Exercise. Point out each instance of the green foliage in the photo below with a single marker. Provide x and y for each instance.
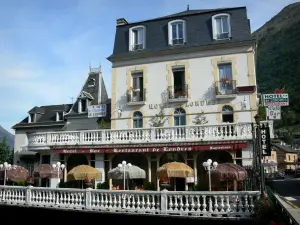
(5, 152)
(104, 185)
(262, 113)
(102, 124)
(149, 186)
(21, 183)
(288, 139)
(159, 119)
(278, 65)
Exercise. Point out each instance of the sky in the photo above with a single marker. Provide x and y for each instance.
(46, 47)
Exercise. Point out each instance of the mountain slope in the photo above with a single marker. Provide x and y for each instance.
(278, 59)
(10, 137)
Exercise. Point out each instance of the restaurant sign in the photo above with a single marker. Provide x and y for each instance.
(150, 149)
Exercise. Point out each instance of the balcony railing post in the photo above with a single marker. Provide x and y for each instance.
(48, 138)
(88, 198)
(163, 202)
(28, 195)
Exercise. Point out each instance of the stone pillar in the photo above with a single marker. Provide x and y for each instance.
(110, 167)
(195, 168)
(149, 168)
(157, 166)
(99, 164)
(185, 161)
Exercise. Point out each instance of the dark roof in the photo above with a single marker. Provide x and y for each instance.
(198, 28)
(47, 118)
(97, 93)
(285, 148)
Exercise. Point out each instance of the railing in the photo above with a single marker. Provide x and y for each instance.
(198, 204)
(225, 87)
(136, 95)
(178, 93)
(241, 131)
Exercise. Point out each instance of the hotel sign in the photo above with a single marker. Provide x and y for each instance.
(276, 99)
(265, 140)
(150, 149)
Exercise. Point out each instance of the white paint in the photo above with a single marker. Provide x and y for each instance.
(290, 198)
(99, 164)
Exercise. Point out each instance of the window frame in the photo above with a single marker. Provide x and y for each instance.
(135, 117)
(227, 112)
(131, 39)
(170, 31)
(214, 25)
(179, 113)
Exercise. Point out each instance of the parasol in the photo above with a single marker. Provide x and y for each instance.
(230, 172)
(46, 171)
(84, 172)
(16, 173)
(174, 169)
(131, 172)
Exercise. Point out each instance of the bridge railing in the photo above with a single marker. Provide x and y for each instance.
(199, 204)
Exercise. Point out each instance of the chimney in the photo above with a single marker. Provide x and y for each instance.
(121, 22)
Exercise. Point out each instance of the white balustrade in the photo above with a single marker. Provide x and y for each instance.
(241, 131)
(198, 204)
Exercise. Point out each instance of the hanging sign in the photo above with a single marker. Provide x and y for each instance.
(265, 140)
(273, 112)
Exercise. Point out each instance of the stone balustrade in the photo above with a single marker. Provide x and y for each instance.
(224, 132)
(229, 204)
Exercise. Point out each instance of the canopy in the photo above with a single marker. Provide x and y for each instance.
(230, 172)
(131, 172)
(84, 172)
(174, 169)
(16, 173)
(47, 171)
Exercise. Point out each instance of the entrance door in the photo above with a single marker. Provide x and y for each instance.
(76, 160)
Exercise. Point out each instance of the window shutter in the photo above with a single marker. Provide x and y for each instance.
(130, 40)
(170, 33)
(184, 31)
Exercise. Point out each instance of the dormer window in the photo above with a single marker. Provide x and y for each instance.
(177, 32)
(221, 26)
(91, 82)
(59, 116)
(31, 118)
(137, 38)
(83, 105)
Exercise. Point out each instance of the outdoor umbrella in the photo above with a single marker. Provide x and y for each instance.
(131, 172)
(16, 173)
(84, 172)
(46, 171)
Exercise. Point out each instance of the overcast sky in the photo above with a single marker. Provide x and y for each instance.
(46, 46)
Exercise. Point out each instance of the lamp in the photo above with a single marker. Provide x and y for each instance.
(209, 165)
(124, 165)
(6, 166)
(59, 167)
(119, 113)
(257, 119)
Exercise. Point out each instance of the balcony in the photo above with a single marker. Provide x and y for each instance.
(178, 94)
(225, 89)
(226, 132)
(136, 96)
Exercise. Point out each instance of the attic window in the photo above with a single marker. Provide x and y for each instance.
(83, 105)
(221, 26)
(177, 32)
(91, 82)
(59, 116)
(31, 118)
(137, 38)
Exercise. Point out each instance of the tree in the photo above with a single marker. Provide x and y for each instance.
(102, 124)
(5, 152)
(159, 119)
(200, 119)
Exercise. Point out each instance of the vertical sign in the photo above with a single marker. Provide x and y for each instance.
(265, 140)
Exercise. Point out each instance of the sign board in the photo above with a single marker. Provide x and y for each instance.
(73, 150)
(275, 99)
(96, 111)
(265, 140)
(273, 112)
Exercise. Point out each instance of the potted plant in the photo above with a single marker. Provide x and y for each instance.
(164, 183)
(29, 181)
(226, 80)
(88, 182)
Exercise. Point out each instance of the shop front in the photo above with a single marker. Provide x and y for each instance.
(149, 157)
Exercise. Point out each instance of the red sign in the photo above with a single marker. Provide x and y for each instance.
(151, 149)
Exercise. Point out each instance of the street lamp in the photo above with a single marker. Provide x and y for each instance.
(124, 166)
(59, 167)
(6, 167)
(258, 138)
(208, 165)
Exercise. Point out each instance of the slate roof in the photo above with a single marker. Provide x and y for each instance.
(285, 148)
(45, 116)
(97, 93)
(198, 27)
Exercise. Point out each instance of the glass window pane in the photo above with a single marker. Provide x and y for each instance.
(180, 30)
(224, 24)
(218, 26)
(176, 121)
(174, 31)
(140, 36)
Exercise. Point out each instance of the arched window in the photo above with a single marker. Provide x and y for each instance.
(227, 114)
(179, 117)
(177, 32)
(221, 26)
(137, 120)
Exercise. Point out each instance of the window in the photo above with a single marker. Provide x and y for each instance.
(137, 120)
(226, 84)
(179, 117)
(59, 116)
(31, 118)
(179, 90)
(45, 159)
(91, 82)
(137, 91)
(137, 38)
(227, 114)
(221, 26)
(177, 32)
(83, 105)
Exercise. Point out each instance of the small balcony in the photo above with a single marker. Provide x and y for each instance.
(136, 96)
(225, 88)
(178, 94)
